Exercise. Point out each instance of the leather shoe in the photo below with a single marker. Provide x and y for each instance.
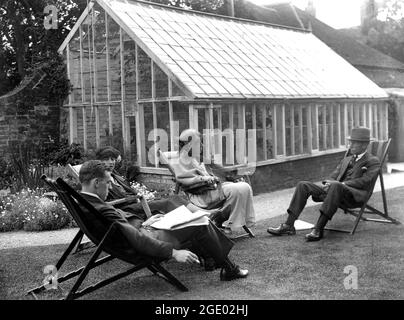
(282, 229)
(314, 235)
(234, 273)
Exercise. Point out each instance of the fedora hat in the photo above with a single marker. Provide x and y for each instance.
(360, 134)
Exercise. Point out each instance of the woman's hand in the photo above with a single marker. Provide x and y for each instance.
(209, 179)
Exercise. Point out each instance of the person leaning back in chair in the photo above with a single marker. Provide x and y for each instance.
(238, 196)
(121, 189)
(138, 233)
(348, 187)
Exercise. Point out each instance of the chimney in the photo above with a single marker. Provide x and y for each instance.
(230, 7)
(368, 14)
(368, 10)
(311, 9)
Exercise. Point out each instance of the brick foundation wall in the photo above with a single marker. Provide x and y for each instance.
(287, 174)
(269, 177)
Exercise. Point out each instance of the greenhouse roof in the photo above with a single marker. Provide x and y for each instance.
(217, 57)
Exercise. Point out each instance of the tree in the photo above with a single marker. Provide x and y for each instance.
(25, 42)
(386, 31)
(27, 45)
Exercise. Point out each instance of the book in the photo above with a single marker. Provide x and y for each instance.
(181, 217)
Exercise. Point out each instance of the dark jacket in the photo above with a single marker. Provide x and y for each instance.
(131, 233)
(364, 173)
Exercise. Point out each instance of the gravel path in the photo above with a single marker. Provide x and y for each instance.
(24, 239)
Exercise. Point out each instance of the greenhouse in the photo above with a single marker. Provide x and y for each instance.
(260, 93)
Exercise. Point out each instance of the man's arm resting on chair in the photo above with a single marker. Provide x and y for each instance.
(145, 244)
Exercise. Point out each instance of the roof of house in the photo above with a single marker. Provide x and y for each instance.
(218, 57)
(352, 50)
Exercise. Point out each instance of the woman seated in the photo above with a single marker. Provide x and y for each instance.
(189, 172)
(121, 189)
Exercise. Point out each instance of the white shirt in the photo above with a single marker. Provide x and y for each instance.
(359, 156)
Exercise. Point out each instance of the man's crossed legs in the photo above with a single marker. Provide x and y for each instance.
(333, 195)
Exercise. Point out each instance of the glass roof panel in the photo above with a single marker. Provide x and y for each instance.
(224, 57)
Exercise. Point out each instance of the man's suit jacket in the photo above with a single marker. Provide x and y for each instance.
(363, 174)
(131, 234)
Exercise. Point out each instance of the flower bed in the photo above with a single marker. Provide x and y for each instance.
(142, 190)
(32, 210)
(29, 210)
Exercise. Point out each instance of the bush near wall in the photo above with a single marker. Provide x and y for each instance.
(30, 210)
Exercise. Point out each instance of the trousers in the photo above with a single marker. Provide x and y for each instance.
(337, 195)
(207, 240)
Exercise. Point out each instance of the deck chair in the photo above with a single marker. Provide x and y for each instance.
(169, 159)
(380, 150)
(74, 171)
(72, 199)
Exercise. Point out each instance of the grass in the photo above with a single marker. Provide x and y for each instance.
(280, 267)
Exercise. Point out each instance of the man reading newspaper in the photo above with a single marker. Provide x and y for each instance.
(139, 234)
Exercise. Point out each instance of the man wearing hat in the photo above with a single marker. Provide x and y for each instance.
(348, 186)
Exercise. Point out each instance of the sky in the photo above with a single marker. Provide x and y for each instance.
(336, 13)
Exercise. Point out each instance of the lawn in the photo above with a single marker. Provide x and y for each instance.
(280, 267)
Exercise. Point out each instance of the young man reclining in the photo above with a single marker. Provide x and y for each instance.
(96, 182)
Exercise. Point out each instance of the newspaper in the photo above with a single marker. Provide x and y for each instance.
(182, 217)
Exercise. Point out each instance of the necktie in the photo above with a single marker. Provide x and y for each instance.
(349, 170)
(353, 160)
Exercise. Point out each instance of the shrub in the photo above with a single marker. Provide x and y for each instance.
(30, 211)
(128, 169)
(25, 164)
(68, 154)
(47, 215)
(6, 174)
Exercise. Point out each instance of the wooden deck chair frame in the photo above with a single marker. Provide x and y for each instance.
(71, 199)
(379, 149)
(164, 158)
(74, 171)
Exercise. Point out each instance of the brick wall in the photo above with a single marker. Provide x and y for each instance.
(157, 181)
(287, 174)
(23, 115)
(270, 177)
